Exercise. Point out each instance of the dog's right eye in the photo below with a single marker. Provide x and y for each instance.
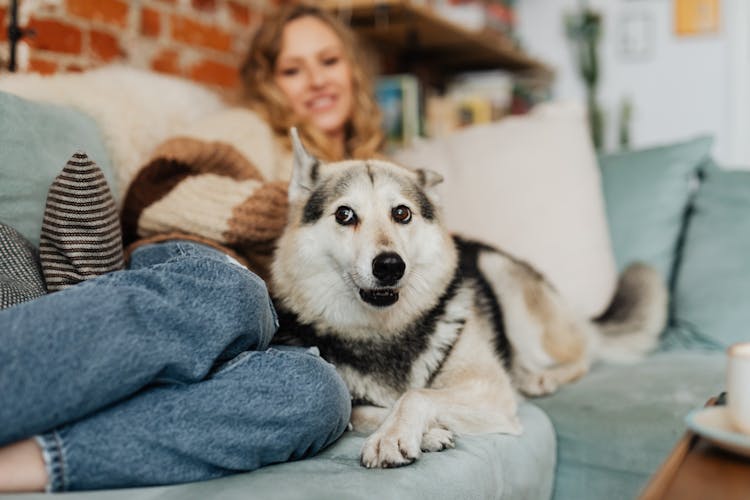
(345, 216)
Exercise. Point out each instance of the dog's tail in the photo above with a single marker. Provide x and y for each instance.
(631, 325)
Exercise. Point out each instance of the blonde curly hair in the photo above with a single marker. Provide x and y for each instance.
(363, 138)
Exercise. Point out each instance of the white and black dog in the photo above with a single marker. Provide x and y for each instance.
(433, 334)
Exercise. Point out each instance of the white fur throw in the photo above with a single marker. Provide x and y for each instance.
(531, 186)
(135, 109)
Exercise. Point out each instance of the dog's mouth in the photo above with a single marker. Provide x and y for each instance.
(379, 297)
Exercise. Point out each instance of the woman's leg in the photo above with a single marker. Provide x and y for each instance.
(179, 310)
(262, 407)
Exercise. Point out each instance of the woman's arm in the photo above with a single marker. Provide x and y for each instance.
(217, 181)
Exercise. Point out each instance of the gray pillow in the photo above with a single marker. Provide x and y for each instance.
(647, 193)
(36, 139)
(711, 298)
(20, 275)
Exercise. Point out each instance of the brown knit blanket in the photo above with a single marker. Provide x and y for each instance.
(209, 191)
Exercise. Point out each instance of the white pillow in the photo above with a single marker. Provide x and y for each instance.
(531, 186)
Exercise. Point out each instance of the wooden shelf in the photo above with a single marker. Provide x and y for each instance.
(417, 36)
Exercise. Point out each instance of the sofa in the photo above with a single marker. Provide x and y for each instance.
(602, 436)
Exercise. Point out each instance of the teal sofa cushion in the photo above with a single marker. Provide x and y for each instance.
(646, 194)
(712, 291)
(617, 424)
(36, 140)
(483, 466)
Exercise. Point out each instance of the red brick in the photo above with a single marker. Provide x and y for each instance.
(3, 27)
(150, 22)
(55, 36)
(114, 12)
(167, 61)
(193, 33)
(42, 66)
(74, 68)
(204, 5)
(105, 46)
(215, 73)
(241, 13)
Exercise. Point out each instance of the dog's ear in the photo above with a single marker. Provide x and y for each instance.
(428, 178)
(305, 172)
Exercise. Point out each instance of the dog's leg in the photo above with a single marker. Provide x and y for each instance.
(548, 380)
(551, 342)
(472, 394)
(555, 348)
(414, 423)
(398, 441)
(367, 418)
(426, 419)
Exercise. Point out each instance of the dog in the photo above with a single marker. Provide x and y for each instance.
(434, 335)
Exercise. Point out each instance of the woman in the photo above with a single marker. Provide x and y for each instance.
(306, 69)
(160, 373)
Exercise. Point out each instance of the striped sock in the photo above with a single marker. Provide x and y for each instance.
(81, 236)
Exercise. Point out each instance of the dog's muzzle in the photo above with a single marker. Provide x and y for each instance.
(388, 268)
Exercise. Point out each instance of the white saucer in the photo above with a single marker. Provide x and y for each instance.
(713, 424)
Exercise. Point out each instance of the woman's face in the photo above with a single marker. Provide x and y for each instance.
(313, 73)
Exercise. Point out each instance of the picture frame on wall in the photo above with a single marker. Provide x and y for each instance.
(635, 34)
(697, 17)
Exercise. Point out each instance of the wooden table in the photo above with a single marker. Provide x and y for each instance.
(698, 470)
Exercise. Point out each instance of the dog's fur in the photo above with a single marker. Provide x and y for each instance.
(432, 334)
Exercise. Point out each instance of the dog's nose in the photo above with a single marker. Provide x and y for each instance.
(388, 268)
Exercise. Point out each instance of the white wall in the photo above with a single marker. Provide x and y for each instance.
(682, 87)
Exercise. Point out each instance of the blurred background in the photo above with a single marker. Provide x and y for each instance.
(649, 71)
(682, 65)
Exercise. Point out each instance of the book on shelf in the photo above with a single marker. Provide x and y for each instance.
(471, 98)
(477, 15)
(399, 100)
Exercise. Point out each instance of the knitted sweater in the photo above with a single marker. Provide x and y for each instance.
(222, 182)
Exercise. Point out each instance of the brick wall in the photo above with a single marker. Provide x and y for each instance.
(203, 40)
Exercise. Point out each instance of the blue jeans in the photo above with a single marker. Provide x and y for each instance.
(161, 374)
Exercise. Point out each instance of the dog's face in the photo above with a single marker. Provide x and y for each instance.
(364, 248)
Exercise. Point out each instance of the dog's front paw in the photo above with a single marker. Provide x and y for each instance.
(438, 439)
(390, 449)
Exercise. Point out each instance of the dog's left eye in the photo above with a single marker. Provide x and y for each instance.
(345, 216)
(401, 214)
